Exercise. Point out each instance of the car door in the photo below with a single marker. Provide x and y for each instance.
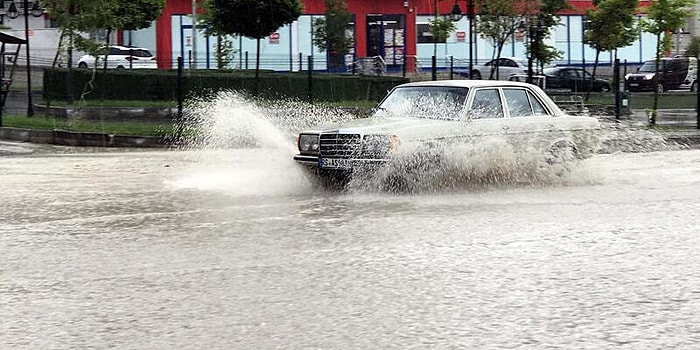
(486, 112)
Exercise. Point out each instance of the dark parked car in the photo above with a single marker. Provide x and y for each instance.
(673, 73)
(573, 78)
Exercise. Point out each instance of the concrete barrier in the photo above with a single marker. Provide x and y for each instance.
(72, 138)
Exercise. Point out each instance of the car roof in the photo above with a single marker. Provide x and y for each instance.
(467, 83)
(127, 47)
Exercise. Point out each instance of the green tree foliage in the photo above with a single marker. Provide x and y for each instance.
(547, 19)
(332, 33)
(693, 49)
(253, 19)
(610, 25)
(91, 15)
(440, 29)
(499, 19)
(663, 18)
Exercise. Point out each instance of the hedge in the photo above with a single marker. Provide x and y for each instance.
(161, 85)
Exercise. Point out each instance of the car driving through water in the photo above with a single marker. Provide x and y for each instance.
(422, 118)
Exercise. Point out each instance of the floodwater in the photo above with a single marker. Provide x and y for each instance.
(234, 248)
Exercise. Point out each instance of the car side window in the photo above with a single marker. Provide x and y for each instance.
(487, 104)
(537, 107)
(114, 51)
(518, 102)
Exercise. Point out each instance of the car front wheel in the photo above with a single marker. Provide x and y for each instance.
(82, 65)
(475, 75)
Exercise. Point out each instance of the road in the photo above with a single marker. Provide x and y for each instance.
(235, 249)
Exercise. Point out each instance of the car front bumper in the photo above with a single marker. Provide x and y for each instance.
(319, 162)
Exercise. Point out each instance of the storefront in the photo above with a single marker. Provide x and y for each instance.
(395, 30)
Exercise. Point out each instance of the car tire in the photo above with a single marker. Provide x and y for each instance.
(605, 88)
(694, 86)
(561, 152)
(660, 88)
(120, 67)
(475, 75)
(82, 65)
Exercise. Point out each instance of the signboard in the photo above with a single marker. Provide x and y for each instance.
(274, 38)
(461, 36)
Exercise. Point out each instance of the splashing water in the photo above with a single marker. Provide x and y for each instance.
(228, 122)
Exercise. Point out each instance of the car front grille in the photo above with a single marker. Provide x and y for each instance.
(339, 145)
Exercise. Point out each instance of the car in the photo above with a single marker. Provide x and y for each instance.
(122, 57)
(507, 66)
(422, 119)
(575, 79)
(676, 73)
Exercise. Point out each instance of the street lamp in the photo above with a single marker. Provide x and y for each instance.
(456, 15)
(13, 13)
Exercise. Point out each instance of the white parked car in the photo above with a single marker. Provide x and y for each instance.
(122, 57)
(507, 66)
(427, 117)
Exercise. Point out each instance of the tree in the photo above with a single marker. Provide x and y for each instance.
(253, 19)
(546, 20)
(693, 49)
(440, 29)
(75, 16)
(333, 33)
(499, 19)
(663, 18)
(610, 25)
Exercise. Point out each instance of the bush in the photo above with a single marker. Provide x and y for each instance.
(161, 85)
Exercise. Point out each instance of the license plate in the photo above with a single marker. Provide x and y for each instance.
(335, 163)
(634, 84)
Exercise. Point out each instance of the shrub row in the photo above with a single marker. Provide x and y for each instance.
(161, 85)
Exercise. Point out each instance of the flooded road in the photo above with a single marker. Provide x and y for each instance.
(235, 249)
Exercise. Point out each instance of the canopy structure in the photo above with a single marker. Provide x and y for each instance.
(8, 57)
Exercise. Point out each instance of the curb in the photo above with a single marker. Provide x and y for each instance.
(71, 138)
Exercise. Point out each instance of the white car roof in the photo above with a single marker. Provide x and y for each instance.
(469, 83)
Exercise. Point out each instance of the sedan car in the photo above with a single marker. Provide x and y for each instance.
(575, 79)
(425, 117)
(507, 66)
(122, 57)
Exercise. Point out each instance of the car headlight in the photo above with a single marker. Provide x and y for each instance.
(378, 146)
(308, 143)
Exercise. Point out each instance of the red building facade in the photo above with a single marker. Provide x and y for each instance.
(396, 18)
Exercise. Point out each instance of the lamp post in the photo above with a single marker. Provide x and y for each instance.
(456, 15)
(13, 13)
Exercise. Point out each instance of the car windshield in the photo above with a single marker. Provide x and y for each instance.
(650, 66)
(433, 102)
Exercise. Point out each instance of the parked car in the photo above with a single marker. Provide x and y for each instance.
(673, 73)
(507, 66)
(575, 79)
(122, 57)
(429, 115)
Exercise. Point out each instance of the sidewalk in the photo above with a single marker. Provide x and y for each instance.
(676, 125)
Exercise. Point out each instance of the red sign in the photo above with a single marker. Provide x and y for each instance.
(274, 38)
(461, 36)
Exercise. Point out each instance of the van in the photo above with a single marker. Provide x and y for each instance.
(674, 73)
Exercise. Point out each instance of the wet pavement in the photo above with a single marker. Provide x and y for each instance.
(235, 249)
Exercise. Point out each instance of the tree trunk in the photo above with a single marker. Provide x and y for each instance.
(109, 33)
(257, 69)
(655, 104)
(499, 49)
(590, 83)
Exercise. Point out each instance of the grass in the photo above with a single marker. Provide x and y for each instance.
(116, 128)
(112, 103)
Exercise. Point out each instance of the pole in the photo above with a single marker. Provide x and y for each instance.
(452, 67)
(697, 103)
(311, 90)
(433, 68)
(30, 108)
(179, 97)
(193, 64)
(472, 34)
